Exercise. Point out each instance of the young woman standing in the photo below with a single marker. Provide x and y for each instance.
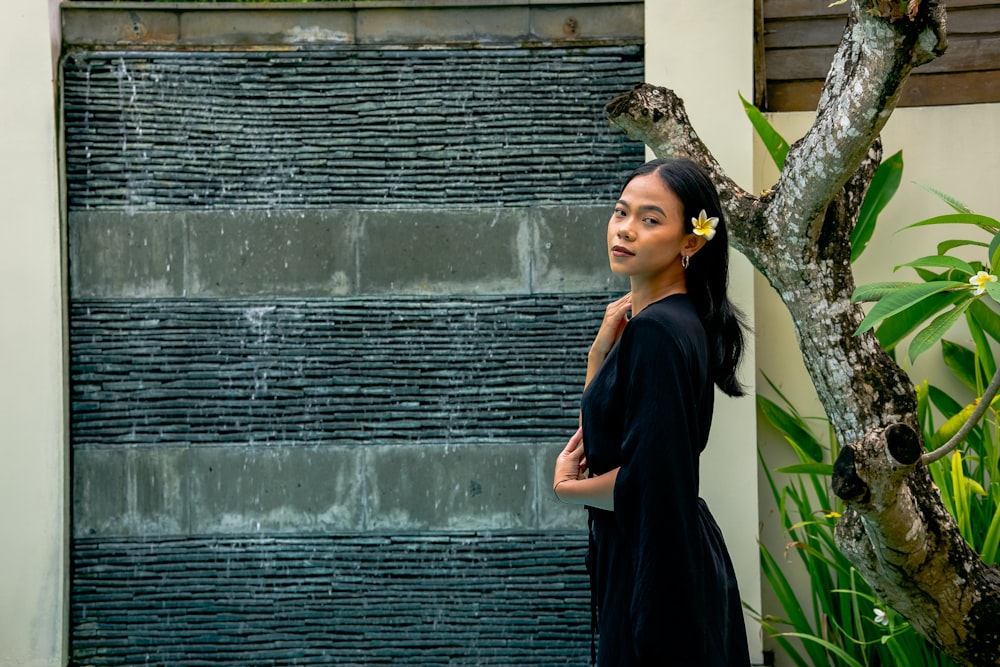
(664, 588)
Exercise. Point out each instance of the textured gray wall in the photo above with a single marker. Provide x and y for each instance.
(330, 310)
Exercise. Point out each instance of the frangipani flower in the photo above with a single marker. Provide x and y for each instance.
(979, 281)
(881, 617)
(704, 226)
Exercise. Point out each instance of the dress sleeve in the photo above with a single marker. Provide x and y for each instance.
(656, 492)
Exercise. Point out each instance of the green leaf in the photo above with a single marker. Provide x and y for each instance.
(941, 262)
(824, 469)
(962, 362)
(773, 142)
(948, 199)
(983, 352)
(875, 291)
(902, 299)
(792, 427)
(986, 318)
(983, 222)
(993, 289)
(989, 551)
(945, 246)
(894, 329)
(883, 186)
(935, 330)
(994, 251)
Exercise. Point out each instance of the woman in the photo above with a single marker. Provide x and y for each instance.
(664, 588)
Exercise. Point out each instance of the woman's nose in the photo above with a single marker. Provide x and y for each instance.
(624, 232)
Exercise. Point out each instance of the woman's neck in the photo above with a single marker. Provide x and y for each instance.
(645, 292)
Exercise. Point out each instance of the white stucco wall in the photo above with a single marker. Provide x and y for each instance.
(704, 52)
(32, 407)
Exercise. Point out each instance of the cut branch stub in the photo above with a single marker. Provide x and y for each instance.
(897, 533)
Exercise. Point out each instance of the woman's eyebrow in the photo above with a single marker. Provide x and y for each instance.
(644, 207)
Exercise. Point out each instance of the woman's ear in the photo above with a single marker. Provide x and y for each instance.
(693, 243)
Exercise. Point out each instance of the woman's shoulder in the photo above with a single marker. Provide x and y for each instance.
(672, 312)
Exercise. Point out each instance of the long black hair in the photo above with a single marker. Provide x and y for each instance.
(707, 274)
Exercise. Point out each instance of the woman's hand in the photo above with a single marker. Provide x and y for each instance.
(615, 319)
(571, 483)
(571, 463)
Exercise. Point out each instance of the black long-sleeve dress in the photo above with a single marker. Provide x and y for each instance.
(663, 583)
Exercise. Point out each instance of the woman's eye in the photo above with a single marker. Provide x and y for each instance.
(620, 213)
(651, 221)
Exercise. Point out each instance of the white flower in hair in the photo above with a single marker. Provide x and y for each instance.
(705, 226)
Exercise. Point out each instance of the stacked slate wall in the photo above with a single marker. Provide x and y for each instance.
(329, 318)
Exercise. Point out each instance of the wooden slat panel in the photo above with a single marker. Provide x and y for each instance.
(920, 90)
(943, 89)
(966, 55)
(795, 64)
(799, 33)
(801, 8)
(973, 21)
(801, 38)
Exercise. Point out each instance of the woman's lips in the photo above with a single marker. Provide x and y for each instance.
(619, 251)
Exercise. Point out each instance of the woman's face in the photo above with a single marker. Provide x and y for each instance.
(646, 232)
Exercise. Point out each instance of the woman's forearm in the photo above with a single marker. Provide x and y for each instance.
(598, 491)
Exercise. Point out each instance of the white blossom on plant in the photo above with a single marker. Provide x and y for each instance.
(979, 281)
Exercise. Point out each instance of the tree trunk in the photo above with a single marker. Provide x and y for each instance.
(895, 530)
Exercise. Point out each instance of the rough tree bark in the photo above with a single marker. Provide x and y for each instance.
(895, 530)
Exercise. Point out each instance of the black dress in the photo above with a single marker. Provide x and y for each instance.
(664, 586)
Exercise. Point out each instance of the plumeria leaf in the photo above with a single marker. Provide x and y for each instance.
(946, 198)
(935, 330)
(982, 221)
(945, 246)
(993, 289)
(775, 144)
(962, 362)
(883, 186)
(902, 299)
(941, 262)
(894, 329)
(995, 251)
(875, 291)
(983, 353)
(986, 318)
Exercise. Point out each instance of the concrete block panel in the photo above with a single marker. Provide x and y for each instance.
(571, 252)
(274, 489)
(445, 24)
(266, 27)
(130, 492)
(440, 487)
(613, 20)
(445, 251)
(115, 254)
(115, 26)
(305, 253)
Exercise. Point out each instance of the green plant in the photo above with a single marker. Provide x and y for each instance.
(842, 629)
(840, 624)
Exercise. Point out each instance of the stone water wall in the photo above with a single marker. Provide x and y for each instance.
(330, 307)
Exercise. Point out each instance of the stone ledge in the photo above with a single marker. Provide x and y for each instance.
(305, 25)
(273, 489)
(339, 253)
